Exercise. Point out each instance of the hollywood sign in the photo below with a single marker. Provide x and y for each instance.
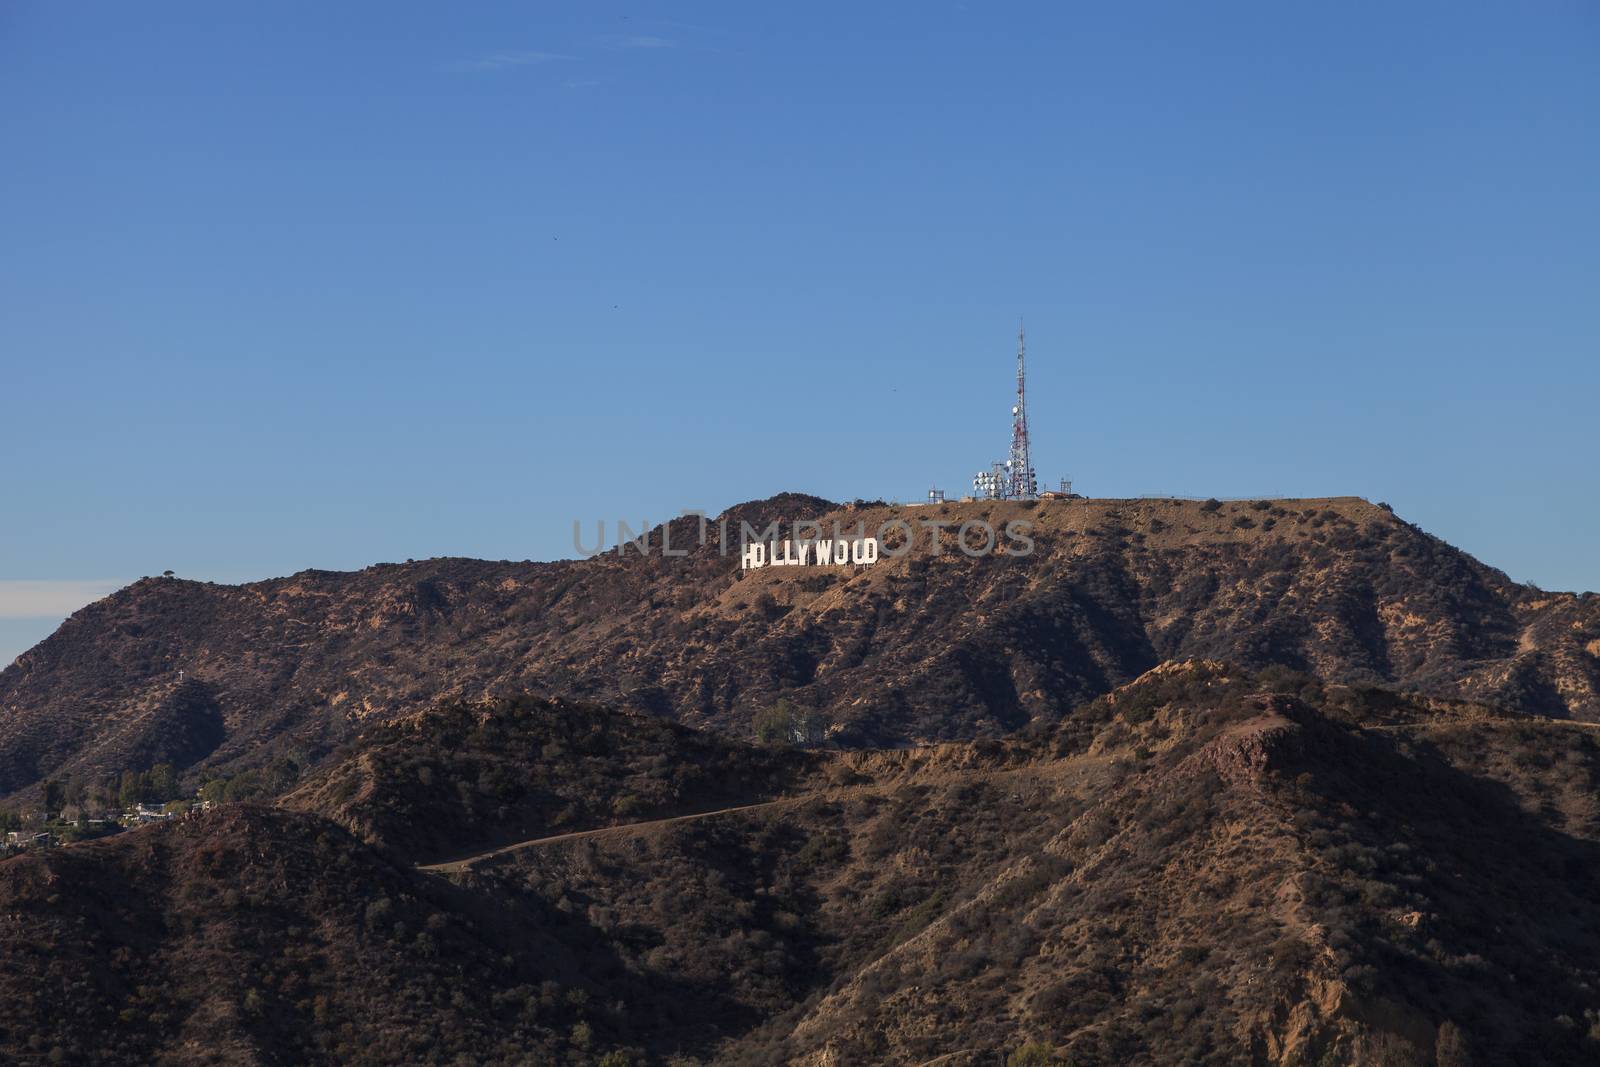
(824, 553)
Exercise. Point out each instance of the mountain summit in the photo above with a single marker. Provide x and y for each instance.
(931, 646)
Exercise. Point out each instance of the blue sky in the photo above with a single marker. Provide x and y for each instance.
(325, 285)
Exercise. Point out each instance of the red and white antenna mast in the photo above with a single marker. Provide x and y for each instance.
(1019, 468)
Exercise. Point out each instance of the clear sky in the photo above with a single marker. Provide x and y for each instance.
(300, 285)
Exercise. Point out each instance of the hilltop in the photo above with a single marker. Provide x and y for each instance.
(924, 648)
(535, 767)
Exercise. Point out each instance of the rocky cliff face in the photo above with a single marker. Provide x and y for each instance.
(934, 645)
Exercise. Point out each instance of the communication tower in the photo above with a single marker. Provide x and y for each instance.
(1023, 484)
(1014, 479)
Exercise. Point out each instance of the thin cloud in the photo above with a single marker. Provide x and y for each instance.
(506, 60)
(636, 42)
(643, 40)
(37, 600)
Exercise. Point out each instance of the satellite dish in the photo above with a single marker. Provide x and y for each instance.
(1015, 409)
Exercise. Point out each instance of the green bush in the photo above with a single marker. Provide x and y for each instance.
(1034, 1054)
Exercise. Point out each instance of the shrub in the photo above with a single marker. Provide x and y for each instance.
(1290, 953)
(768, 607)
(1451, 1049)
(1033, 1054)
(379, 913)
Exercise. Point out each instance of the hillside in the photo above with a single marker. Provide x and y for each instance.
(1257, 883)
(533, 767)
(1205, 866)
(926, 647)
(251, 936)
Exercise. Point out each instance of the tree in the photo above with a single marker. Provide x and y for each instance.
(1452, 1049)
(786, 723)
(772, 724)
(246, 785)
(54, 796)
(1033, 1054)
(133, 789)
(163, 782)
(100, 795)
(280, 774)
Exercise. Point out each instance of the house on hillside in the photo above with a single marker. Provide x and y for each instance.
(28, 839)
(143, 814)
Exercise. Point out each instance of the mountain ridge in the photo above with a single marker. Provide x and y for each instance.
(926, 647)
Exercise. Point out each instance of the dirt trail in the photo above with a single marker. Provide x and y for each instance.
(844, 793)
(466, 862)
(916, 776)
(1425, 724)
